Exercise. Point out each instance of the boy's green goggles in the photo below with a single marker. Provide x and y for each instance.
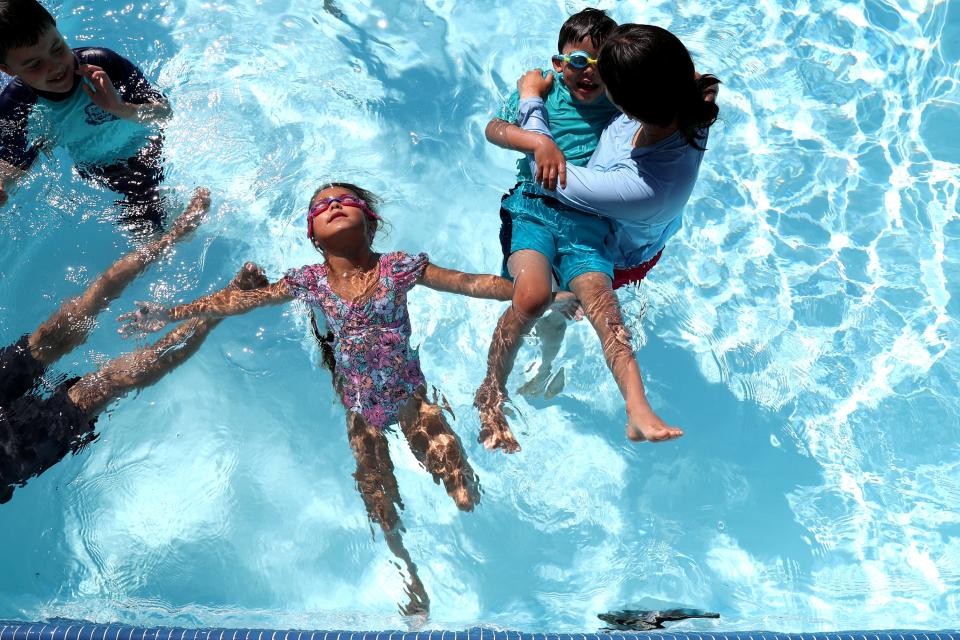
(576, 59)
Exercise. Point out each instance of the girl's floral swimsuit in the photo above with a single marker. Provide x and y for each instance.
(377, 369)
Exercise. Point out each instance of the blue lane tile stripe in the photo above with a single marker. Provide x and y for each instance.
(90, 631)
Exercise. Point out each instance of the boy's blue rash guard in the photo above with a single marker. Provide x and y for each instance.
(642, 189)
(31, 120)
(576, 125)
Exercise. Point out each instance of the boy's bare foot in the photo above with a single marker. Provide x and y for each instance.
(494, 431)
(537, 385)
(192, 216)
(651, 429)
(556, 384)
(541, 384)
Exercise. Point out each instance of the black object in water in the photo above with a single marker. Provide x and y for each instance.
(638, 620)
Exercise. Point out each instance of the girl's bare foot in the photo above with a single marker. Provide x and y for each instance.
(651, 429)
(494, 431)
(418, 603)
(464, 489)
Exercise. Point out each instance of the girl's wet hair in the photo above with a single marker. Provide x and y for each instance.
(650, 76)
(325, 344)
(373, 201)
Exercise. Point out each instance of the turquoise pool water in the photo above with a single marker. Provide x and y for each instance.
(802, 328)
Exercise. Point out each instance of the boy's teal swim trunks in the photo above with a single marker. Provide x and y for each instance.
(573, 242)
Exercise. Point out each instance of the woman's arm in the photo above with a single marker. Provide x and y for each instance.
(466, 284)
(230, 301)
(622, 193)
(619, 193)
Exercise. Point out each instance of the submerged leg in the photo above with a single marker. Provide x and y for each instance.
(69, 325)
(603, 310)
(550, 329)
(439, 450)
(377, 485)
(531, 297)
(141, 368)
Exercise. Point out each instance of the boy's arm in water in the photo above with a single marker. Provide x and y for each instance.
(100, 87)
(151, 316)
(9, 174)
(467, 284)
(551, 163)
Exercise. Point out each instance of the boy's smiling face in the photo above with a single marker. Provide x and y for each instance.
(47, 65)
(583, 84)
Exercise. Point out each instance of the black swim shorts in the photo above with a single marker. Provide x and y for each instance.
(19, 371)
(36, 433)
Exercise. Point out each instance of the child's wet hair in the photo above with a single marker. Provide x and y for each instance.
(649, 74)
(373, 201)
(22, 22)
(589, 23)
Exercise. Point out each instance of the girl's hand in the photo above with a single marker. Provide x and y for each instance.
(98, 86)
(148, 317)
(532, 84)
(551, 164)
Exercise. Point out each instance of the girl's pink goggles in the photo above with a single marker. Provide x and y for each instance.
(346, 200)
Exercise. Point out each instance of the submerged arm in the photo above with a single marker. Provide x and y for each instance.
(150, 316)
(232, 302)
(467, 284)
(145, 113)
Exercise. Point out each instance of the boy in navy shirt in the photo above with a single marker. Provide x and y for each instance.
(90, 100)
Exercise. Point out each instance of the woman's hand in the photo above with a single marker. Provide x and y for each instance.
(148, 317)
(532, 84)
(551, 164)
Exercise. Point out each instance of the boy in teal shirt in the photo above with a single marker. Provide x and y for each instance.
(542, 243)
(577, 106)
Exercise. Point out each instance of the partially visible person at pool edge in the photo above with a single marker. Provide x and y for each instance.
(376, 371)
(535, 237)
(640, 176)
(36, 432)
(90, 100)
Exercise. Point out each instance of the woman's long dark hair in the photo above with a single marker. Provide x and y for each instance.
(650, 76)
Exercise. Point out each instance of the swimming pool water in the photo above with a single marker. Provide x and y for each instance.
(802, 328)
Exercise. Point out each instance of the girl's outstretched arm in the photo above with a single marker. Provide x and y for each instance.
(232, 302)
(466, 284)
(151, 316)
